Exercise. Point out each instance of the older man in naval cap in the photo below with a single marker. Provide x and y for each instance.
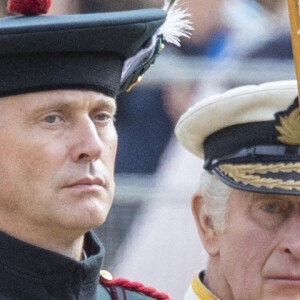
(59, 77)
(247, 208)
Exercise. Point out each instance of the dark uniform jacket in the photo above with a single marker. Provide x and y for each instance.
(31, 273)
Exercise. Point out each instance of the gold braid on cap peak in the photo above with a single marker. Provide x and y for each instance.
(244, 174)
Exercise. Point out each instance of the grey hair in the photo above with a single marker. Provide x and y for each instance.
(215, 195)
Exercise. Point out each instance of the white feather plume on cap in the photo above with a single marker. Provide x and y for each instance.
(176, 25)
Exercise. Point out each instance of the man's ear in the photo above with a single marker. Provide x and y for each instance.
(205, 226)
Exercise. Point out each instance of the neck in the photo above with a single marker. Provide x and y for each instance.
(62, 241)
(72, 249)
(215, 280)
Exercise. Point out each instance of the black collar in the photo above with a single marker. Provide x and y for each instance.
(29, 272)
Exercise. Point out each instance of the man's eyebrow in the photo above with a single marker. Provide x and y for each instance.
(65, 103)
(56, 104)
(108, 103)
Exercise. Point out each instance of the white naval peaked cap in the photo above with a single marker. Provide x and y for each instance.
(248, 136)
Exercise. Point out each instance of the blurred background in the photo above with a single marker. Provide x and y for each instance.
(150, 235)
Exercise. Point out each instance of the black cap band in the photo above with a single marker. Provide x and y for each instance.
(21, 73)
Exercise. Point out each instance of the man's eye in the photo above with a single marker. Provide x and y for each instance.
(271, 213)
(282, 207)
(272, 208)
(102, 117)
(52, 119)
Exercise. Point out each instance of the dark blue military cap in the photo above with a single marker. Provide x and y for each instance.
(249, 137)
(106, 52)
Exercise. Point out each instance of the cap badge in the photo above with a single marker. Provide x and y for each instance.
(289, 128)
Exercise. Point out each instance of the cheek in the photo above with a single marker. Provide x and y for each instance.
(245, 245)
(114, 147)
(110, 142)
(19, 175)
(244, 250)
(30, 158)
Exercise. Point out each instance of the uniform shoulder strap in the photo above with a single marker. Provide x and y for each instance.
(119, 285)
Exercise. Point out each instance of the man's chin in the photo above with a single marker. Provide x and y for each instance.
(282, 289)
(84, 220)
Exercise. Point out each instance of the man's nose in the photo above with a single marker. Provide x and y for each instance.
(291, 237)
(87, 143)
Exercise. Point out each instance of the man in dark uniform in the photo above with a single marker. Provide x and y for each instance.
(59, 77)
(247, 208)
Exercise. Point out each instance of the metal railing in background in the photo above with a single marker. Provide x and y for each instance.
(230, 72)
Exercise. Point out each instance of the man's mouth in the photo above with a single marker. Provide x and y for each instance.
(285, 277)
(88, 183)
